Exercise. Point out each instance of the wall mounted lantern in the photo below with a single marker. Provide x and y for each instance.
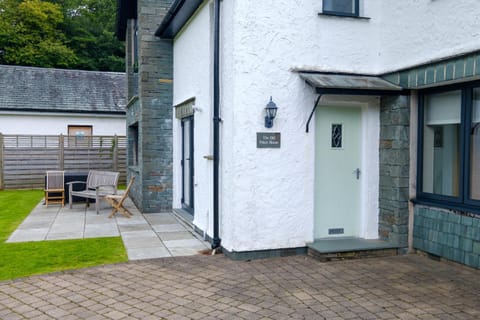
(270, 113)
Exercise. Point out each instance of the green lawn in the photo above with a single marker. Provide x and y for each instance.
(28, 258)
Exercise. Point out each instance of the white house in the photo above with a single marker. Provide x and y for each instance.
(375, 140)
(45, 101)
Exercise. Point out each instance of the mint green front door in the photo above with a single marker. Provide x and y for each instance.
(337, 172)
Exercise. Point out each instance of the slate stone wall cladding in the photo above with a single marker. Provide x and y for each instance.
(394, 169)
(449, 234)
(133, 118)
(154, 110)
(436, 73)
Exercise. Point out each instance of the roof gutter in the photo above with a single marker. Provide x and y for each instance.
(61, 112)
(167, 20)
(177, 16)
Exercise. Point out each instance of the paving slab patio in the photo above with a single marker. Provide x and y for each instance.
(145, 236)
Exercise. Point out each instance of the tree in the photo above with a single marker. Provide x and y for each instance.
(31, 35)
(89, 27)
(72, 34)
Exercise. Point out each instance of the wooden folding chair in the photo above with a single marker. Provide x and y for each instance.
(55, 188)
(116, 200)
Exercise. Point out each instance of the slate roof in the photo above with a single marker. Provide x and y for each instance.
(58, 90)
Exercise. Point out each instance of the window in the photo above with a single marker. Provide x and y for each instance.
(80, 131)
(133, 145)
(132, 58)
(441, 143)
(187, 163)
(336, 136)
(79, 135)
(449, 148)
(475, 147)
(348, 8)
(134, 46)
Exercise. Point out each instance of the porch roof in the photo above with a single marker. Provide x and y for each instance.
(334, 83)
(347, 84)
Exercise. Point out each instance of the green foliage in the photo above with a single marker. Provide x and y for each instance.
(72, 34)
(24, 259)
(31, 34)
(89, 26)
(13, 211)
(30, 258)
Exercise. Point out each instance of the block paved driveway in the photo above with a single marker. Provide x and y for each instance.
(215, 287)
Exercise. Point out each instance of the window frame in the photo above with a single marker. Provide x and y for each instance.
(80, 127)
(190, 131)
(355, 14)
(134, 46)
(79, 140)
(133, 145)
(463, 202)
(468, 167)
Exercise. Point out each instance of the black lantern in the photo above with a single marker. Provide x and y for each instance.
(270, 113)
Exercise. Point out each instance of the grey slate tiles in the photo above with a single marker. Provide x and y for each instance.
(58, 90)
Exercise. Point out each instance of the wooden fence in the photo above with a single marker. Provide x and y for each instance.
(25, 159)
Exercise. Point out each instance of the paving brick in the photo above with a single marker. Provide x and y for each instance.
(405, 287)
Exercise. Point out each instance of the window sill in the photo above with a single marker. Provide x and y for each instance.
(132, 101)
(460, 208)
(320, 14)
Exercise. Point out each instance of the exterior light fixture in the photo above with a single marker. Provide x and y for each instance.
(270, 113)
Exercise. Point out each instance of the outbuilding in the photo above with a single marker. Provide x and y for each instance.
(47, 101)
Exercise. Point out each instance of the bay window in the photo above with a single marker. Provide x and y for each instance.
(449, 148)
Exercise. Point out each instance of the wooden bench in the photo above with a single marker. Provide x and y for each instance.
(98, 185)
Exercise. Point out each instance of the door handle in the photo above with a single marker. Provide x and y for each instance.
(357, 173)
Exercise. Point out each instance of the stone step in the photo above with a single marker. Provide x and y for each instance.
(350, 248)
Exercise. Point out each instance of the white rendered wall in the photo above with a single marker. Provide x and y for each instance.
(267, 194)
(192, 79)
(54, 124)
(396, 35)
(418, 31)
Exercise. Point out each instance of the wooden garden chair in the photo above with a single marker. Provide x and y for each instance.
(116, 200)
(55, 188)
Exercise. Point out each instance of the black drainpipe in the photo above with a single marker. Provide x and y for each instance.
(216, 123)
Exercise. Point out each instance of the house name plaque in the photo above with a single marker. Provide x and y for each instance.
(268, 139)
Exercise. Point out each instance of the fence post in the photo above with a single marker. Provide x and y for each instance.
(1, 161)
(61, 155)
(115, 153)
